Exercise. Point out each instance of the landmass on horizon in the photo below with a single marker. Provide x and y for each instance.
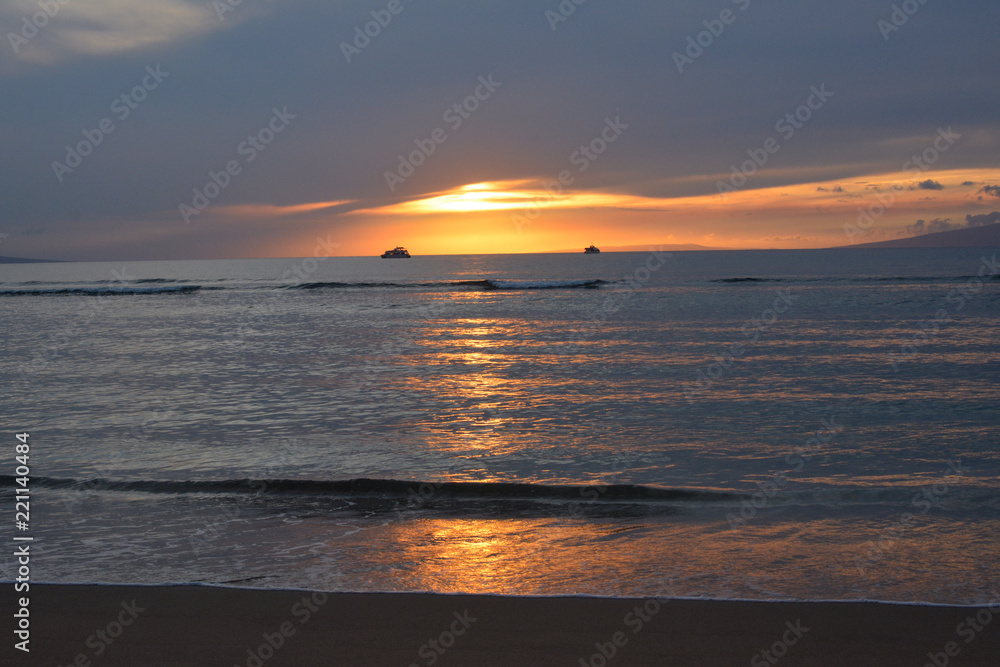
(969, 237)
(987, 236)
(25, 260)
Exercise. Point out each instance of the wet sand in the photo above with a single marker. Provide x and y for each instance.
(190, 625)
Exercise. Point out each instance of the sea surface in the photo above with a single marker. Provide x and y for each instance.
(743, 424)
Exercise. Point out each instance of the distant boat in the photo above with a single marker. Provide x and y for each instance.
(591, 250)
(398, 251)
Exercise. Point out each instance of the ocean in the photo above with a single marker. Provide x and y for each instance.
(765, 425)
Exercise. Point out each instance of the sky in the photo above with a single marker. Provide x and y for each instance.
(198, 129)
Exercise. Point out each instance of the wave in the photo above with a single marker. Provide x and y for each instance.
(382, 497)
(379, 497)
(857, 279)
(164, 286)
(102, 291)
(446, 284)
(116, 281)
(177, 286)
(383, 487)
(469, 285)
(543, 284)
(923, 279)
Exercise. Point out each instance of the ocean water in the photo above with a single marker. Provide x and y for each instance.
(758, 424)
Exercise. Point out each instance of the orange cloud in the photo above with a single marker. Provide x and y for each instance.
(522, 216)
(526, 195)
(272, 211)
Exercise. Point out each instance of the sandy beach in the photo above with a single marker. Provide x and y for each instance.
(134, 625)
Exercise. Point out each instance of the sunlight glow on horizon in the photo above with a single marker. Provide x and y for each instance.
(508, 196)
(525, 196)
(520, 216)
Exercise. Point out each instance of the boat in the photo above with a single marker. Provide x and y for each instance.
(398, 251)
(591, 250)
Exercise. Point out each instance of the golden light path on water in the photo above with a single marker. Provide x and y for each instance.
(669, 555)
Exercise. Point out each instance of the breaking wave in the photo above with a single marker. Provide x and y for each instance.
(102, 291)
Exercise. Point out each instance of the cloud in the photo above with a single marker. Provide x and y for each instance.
(105, 27)
(778, 239)
(930, 184)
(982, 220)
(966, 183)
(992, 190)
(272, 211)
(836, 188)
(921, 227)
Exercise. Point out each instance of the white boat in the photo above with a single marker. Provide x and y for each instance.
(591, 250)
(398, 251)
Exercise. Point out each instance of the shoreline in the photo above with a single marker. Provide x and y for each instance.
(520, 596)
(88, 624)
